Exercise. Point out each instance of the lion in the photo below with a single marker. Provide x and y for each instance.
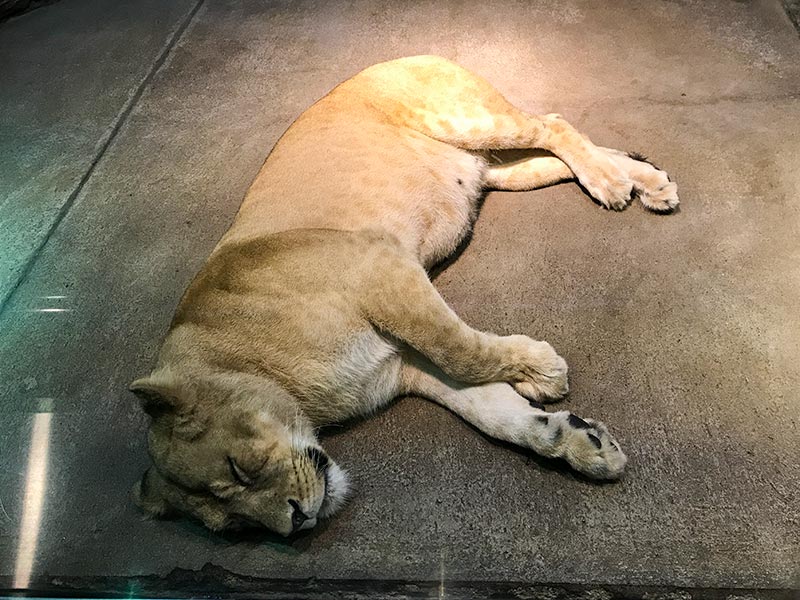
(316, 306)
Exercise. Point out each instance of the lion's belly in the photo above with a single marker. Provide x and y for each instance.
(447, 203)
(376, 176)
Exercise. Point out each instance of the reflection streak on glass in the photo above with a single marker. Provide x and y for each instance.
(34, 498)
(441, 575)
(51, 309)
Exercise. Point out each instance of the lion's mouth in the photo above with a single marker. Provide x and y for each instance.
(241, 522)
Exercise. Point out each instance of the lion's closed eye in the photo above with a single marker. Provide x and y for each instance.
(239, 474)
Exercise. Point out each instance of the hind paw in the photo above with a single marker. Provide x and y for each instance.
(662, 200)
(651, 185)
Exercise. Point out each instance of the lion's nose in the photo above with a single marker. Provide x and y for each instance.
(299, 518)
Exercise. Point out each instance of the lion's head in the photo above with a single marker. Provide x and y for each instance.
(233, 452)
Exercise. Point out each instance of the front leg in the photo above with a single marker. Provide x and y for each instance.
(400, 301)
(498, 411)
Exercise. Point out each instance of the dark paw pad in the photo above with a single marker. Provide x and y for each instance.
(578, 423)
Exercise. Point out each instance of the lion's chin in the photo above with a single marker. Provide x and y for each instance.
(337, 489)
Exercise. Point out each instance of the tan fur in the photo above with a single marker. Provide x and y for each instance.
(316, 306)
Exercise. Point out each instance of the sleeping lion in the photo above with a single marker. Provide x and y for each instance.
(316, 306)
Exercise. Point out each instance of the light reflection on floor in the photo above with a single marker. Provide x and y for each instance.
(35, 487)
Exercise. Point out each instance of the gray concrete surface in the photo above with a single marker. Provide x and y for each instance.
(67, 75)
(681, 331)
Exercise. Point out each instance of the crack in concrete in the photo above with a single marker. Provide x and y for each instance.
(712, 100)
(586, 108)
(105, 144)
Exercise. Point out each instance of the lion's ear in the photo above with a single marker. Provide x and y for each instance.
(162, 394)
(159, 394)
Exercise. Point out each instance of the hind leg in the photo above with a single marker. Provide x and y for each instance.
(529, 173)
(448, 103)
(498, 411)
(651, 185)
(611, 177)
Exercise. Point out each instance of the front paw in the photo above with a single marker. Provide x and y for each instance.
(540, 374)
(587, 446)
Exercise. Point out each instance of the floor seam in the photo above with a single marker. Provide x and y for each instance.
(119, 123)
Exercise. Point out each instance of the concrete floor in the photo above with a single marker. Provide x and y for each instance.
(129, 132)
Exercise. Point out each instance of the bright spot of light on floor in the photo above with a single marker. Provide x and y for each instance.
(35, 486)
